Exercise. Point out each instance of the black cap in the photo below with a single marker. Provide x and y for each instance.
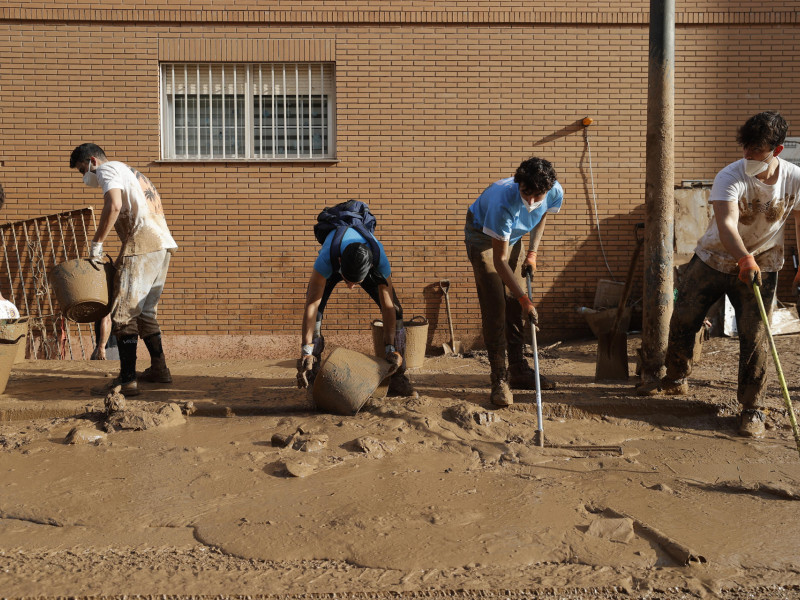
(356, 262)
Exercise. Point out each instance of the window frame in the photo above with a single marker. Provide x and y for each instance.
(324, 122)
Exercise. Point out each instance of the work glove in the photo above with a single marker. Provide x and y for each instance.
(305, 370)
(96, 255)
(394, 358)
(749, 272)
(529, 266)
(528, 308)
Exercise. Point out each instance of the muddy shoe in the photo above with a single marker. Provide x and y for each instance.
(155, 375)
(751, 423)
(663, 387)
(127, 389)
(501, 394)
(400, 387)
(522, 377)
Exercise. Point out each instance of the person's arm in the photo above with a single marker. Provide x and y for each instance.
(386, 297)
(726, 215)
(112, 205)
(500, 260)
(316, 286)
(529, 264)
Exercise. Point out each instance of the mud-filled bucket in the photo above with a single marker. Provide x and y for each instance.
(13, 334)
(16, 332)
(346, 379)
(416, 340)
(83, 290)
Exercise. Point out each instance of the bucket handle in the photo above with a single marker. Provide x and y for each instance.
(417, 321)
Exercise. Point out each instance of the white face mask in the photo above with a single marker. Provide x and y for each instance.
(755, 167)
(90, 177)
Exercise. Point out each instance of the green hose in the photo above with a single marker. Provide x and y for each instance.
(784, 389)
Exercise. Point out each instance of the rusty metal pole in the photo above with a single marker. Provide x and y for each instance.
(659, 189)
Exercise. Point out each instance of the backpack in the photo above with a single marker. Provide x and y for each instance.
(340, 218)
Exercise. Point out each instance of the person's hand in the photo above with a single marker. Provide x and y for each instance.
(305, 367)
(96, 254)
(528, 308)
(529, 266)
(394, 359)
(99, 353)
(749, 272)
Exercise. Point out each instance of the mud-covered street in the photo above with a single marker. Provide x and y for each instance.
(251, 493)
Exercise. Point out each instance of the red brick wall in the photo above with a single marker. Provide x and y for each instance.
(434, 102)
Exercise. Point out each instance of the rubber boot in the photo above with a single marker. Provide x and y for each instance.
(400, 385)
(521, 376)
(157, 372)
(127, 371)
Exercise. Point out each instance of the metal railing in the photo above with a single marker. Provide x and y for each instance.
(31, 248)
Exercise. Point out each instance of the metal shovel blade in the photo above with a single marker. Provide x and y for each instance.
(612, 351)
(454, 347)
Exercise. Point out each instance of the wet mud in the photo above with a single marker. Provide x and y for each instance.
(440, 496)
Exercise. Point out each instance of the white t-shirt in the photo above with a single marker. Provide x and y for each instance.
(763, 211)
(141, 224)
(8, 310)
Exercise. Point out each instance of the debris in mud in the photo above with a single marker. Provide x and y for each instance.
(138, 416)
(114, 401)
(468, 417)
(300, 467)
(373, 447)
(612, 529)
(84, 435)
(301, 441)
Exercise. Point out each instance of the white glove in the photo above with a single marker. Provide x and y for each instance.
(96, 254)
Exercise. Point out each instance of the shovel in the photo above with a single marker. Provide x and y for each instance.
(781, 378)
(539, 427)
(612, 343)
(454, 347)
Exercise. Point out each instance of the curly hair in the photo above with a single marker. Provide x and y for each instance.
(535, 176)
(767, 128)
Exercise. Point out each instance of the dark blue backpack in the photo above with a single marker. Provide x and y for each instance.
(340, 218)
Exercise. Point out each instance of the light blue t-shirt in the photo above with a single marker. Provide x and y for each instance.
(323, 263)
(501, 213)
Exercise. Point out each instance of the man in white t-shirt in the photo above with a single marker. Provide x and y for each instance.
(752, 199)
(131, 206)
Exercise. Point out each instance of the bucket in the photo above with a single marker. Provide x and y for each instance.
(83, 291)
(416, 340)
(346, 379)
(13, 335)
(16, 332)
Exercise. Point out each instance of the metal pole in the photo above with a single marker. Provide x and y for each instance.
(659, 189)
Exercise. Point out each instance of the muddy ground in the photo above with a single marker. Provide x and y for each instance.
(436, 497)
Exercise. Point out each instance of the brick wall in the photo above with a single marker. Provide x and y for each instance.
(434, 102)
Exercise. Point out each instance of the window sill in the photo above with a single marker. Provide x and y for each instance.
(282, 161)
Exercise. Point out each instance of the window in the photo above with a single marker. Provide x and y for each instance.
(270, 111)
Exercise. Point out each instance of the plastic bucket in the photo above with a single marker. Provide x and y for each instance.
(83, 291)
(346, 379)
(15, 331)
(416, 340)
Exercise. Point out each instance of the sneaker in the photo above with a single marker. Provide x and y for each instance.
(155, 375)
(129, 388)
(400, 387)
(522, 377)
(751, 423)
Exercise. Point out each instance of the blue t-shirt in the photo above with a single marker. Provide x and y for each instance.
(501, 213)
(323, 263)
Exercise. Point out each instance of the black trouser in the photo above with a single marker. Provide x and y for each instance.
(699, 288)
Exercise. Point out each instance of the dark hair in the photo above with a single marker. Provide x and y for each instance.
(83, 152)
(766, 128)
(356, 262)
(535, 176)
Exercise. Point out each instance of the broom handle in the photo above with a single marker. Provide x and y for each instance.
(781, 378)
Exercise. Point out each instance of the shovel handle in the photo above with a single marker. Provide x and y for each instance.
(446, 292)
